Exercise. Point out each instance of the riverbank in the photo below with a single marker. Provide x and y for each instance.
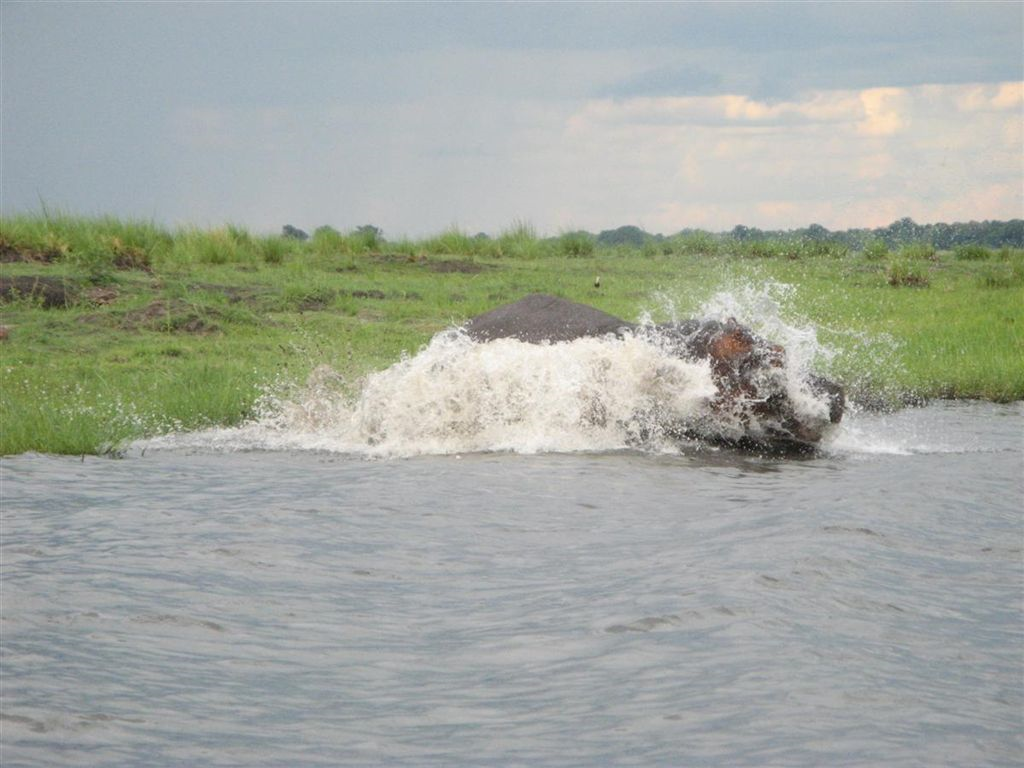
(115, 330)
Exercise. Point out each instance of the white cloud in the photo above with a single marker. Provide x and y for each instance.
(729, 109)
(886, 111)
(989, 97)
(840, 158)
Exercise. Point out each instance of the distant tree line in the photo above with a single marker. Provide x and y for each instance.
(365, 232)
(992, 234)
(905, 231)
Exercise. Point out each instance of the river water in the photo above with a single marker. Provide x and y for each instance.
(211, 606)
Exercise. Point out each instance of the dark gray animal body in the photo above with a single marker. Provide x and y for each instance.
(743, 366)
(538, 318)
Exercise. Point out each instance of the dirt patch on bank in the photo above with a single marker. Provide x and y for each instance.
(11, 254)
(457, 265)
(122, 257)
(233, 293)
(50, 292)
(173, 315)
(464, 266)
(398, 258)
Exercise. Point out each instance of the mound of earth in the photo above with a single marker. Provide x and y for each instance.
(50, 292)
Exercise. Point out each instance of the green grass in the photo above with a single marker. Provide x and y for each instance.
(902, 272)
(972, 252)
(451, 242)
(191, 326)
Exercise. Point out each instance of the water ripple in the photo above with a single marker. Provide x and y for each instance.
(589, 609)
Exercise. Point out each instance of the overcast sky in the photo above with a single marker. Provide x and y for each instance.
(418, 117)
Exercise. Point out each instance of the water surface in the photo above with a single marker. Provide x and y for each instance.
(192, 606)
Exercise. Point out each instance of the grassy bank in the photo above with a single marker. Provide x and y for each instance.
(118, 329)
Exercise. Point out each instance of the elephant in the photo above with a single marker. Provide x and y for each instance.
(754, 389)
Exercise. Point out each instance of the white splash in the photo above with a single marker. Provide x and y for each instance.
(763, 308)
(460, 396)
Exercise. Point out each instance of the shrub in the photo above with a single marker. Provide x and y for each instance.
(808, 248)
(576, 244)
(792, 249)
(971, 252)
(293, 233)
(132, 243)
(304, 297)
(126, 255)
(1008, 274)
(96, 263)
(216, 247)
(918, 252)
(239, 236)
(903, 273)
(325, 231)
(519, 241)
(405, 247)
(875, 250)
(700, 243)
(452, 241)
(274, 249)
(762, 249)
(368, 238)
(328, 241)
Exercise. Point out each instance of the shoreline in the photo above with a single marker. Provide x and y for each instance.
(153, 331)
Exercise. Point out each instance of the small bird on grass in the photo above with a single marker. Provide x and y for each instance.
(597, 281)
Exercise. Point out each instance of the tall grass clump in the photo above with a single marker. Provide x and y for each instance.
(695, 243)
(520, 242)
(240, 236)
(133, 244)
(904, 273)
(405, 247)
(28, 234)
(650, 249)
(451, 242)
(273, 249)
(98, 411)
(96, 264)
(227, 245)
(1007, 254)
(917, 252)
(367, 238)
(63, 424)
(327, 241)
(785, 248)
(971, 253)
(830, 249)
(762, 249)
(576, 244)
(875, 250)
(1006, 274)
(33, 238)
(54, 237)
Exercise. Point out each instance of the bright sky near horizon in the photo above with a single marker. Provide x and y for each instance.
(416, 117)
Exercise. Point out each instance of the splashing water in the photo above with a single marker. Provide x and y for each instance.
(761, 308)
(457, 395)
